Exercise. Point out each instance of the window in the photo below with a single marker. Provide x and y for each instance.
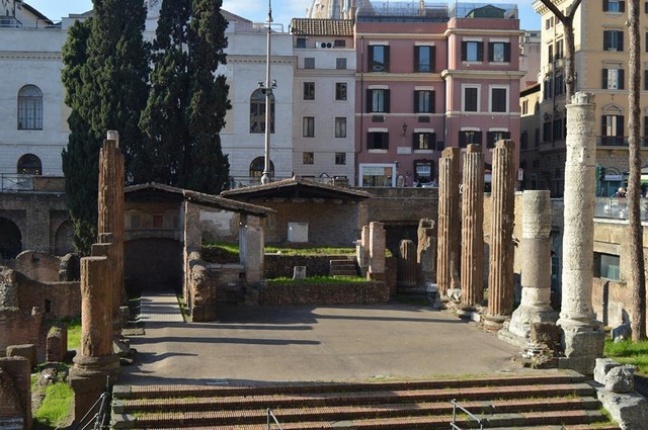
(550, 54)
(341, 63)
(340, 127)
(424, 101)
(30, 108)
(309, 90)
(612, 130)
(377, 100)
(339, 43)
(613, 6)
(524, 143)
(547, 133)
(559, 128)
(300, 42)
(309, 126)
(340, 91)
(613, 79)
(607, 266)
(547, 88)
(525, 107)
(29, 164)
(499, 100)
(308, 158)
(258, 110)
(492, 137)
(560, 49)
(258, 165)
(613, 40)
(423, 141)
(549, 23)
(340, 158)
(472, 51)
(560, 87)
(379, 58)
(499, 52)
(424, 59)
(378, 140)
(471, 99)
(467, 137)
(309, 63)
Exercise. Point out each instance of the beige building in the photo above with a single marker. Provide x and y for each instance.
(601, 61)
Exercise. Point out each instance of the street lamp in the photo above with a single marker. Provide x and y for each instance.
(268, 88)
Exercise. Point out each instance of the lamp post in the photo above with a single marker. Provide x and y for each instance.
(268, 87)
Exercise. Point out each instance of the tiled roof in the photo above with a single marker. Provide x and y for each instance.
(321, 27)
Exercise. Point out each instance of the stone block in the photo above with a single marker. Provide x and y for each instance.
(620, 379)
(602, 367)
(629, 410)
(27, 351)
(56, 343)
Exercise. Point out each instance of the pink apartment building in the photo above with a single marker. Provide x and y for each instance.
(429, 78)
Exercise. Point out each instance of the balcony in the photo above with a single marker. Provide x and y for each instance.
(613, 208)
(14, 182)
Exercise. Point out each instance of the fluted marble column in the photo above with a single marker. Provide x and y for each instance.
(448, 246)
(500, 277)
(583, 334)
(472, 229)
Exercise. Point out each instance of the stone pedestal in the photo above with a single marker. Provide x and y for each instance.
(377, 245)
(449, 222)
(536, 266)
(583, 334)
(500, 279)
(472, 229)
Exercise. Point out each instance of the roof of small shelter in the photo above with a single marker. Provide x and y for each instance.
(321, 27)
(153, 192)
(296, 188)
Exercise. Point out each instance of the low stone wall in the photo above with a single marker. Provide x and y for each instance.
(277, 265)
(301, 293)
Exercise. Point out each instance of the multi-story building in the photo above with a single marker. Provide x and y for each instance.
(601, 60)
(323, 98)
(430, 77)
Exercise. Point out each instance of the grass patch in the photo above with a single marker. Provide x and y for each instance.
(233, 249)
(56, 407)
(627, 352)
(318, 280)
(74, 333)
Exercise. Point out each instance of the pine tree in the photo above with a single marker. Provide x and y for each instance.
(188, 102)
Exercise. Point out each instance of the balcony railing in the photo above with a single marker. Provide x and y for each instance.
(16, 182)
(617, 208)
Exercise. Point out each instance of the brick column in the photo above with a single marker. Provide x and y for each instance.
(376, 251)
(500, 277)
(583, 334)
(472, 231)
(535, 306)
(111, 213)
(448, 245)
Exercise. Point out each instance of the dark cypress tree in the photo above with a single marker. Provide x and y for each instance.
(80, 157)
(188, 102)
(105, 69)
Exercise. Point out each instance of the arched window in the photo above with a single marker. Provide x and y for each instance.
(257, 112)
(30, 108)
(257, 165)
(29, 164)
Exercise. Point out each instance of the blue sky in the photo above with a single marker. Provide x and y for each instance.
(256, 10)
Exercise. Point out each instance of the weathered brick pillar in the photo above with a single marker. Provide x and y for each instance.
(252, 250)
(95, 362)
(362, 250)
(472, 231)
(111, 214)
(500, 277)
(583, 334)
(16, 404)
(448, 245)
(536, 267)
(426, 251)
(407, 266)
(192, 241)
(376, 251)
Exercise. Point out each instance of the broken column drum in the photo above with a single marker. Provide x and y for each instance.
(448, 244)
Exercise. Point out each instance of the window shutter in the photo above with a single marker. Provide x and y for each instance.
(385, 141)
(604, 81)
(606, 5)
(491, 54)
(646, 38)
(432, 59)
(478, 138)
(646, 81)
(417, 67)
(480, 51)
(432, 102)
(620, 84)
(369, 100)
(603, 125)
(370, 59)
(464, 51)
(620, 45)
(606, 40)
(416, 102)
(415, 140)
(507, 52)
(619, 125)
(386, 101)
(622, 6)
(386, 59)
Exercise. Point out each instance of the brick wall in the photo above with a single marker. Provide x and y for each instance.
(296, 293)
(38, 266)
(53, 299)
(18, 372)
(19, 327)
(277, 266)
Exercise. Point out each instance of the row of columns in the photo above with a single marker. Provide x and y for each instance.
(583, 335)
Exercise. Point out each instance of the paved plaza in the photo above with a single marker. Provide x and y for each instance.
(333, 343)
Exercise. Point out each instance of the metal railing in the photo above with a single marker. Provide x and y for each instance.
(100, 419)
(272, 417)
(617, 208)
(483, 422)
(16, 182)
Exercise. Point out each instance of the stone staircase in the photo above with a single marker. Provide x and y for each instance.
(343, 267)
(548, 401)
